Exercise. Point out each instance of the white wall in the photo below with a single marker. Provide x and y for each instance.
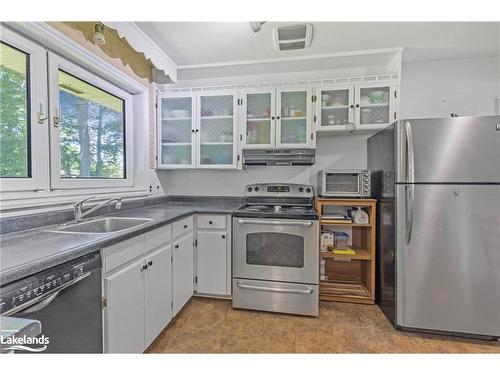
(347, 151)
(437, 88)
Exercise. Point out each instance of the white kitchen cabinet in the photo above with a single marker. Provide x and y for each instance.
(355, 107)
(375, 105)
(294, 120)
(177, 131)
(198, 130)
(335, 108)
(182, 271)
(124, 312)
(212, 262)
(277, 118)
(258, 119)
(217, 134)
(158, 292)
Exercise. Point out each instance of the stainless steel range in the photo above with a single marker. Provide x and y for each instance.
(276, 250)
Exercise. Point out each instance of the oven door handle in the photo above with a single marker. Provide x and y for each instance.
(309, 290)
(276, 222)
(42, 302)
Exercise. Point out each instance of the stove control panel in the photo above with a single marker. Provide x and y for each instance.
(279, 190)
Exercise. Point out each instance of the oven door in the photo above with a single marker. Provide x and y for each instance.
(276, 250)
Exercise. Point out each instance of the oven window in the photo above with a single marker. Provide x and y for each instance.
(342, 182)
(275, 249)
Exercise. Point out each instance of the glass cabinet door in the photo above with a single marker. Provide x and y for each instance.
(216, 131)
(373, 105)
(335, 107)
(176, 132)
(293, 124)
(259, 119)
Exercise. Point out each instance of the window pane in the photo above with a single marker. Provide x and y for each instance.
(14, 113)
(92, 130)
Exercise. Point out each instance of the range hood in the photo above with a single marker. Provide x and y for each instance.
(279, 157)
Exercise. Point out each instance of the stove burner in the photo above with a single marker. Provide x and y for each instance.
(257, 208)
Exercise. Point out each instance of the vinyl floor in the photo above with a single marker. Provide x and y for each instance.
(213, 326)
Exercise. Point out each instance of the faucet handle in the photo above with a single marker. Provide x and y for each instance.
(82, 201)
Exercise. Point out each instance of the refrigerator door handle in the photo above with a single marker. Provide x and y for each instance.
(410, 162)
(410, 179)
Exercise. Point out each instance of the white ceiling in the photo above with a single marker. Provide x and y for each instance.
(192, 43)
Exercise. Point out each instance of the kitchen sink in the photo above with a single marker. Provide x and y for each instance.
(103, 225)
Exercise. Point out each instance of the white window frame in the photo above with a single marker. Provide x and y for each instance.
(55, 64)
(38, 106)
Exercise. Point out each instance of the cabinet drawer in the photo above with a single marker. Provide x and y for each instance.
(158, 237)
(121, 253)
(182, 226)
(211, 221)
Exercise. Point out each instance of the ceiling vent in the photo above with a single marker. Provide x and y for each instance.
(292, 37)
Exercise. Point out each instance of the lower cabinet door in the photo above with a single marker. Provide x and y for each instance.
(158, 293)
(183, 272)
(124, 313)
(212, 263)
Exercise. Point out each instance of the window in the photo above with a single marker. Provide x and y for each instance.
(92, 130)
(14, 113)
(90, 136)
(64, 130)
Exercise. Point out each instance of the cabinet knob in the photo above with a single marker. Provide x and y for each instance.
(185, 226)
(150, 263)
(223, 236)
(277, 117)
(176, 246)
(357, 105)
(145, 267)
(352, 106)
(197, 130)
(272, 117)
(210, 222)
(192, 130)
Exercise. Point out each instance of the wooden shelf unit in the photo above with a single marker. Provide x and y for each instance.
(351, 278)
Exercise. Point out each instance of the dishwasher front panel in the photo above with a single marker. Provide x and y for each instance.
(70, 311)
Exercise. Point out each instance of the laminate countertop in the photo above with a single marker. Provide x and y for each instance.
(27, 252)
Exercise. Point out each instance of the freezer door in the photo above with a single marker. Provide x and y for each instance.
(454, 150)
(449, 257)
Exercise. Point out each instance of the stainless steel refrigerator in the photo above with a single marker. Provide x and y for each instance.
(437, 182)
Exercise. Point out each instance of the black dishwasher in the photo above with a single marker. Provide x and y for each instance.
(66, 299)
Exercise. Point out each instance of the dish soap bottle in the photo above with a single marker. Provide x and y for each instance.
(360, 216)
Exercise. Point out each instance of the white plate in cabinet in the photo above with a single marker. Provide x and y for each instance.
(182, 271)
(124, 312)
(182, 226)
(212, 263)
(211, 222)
(158, 292)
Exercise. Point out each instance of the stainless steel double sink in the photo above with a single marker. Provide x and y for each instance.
(102, 225)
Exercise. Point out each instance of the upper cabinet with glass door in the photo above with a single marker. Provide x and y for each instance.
(177, 131)
(294, 119)
(335, 108)
(217, 136)
(375, 105)
(259, 119)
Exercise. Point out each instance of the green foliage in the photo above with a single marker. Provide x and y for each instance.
(13, 124)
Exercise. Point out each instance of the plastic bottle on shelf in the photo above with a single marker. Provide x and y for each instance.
(359, 216)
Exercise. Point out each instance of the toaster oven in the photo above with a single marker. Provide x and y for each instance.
(344, 183)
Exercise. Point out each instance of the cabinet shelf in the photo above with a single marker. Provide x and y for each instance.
(176, 118)
(374, 105)
(250, 119)
(175, 144)
(216, 117)
(293, 118)
(334, 107)
(360, 255)
(337, 222)
(216, 143)
(341, 290)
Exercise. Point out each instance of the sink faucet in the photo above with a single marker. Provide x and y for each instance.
(79, 215)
